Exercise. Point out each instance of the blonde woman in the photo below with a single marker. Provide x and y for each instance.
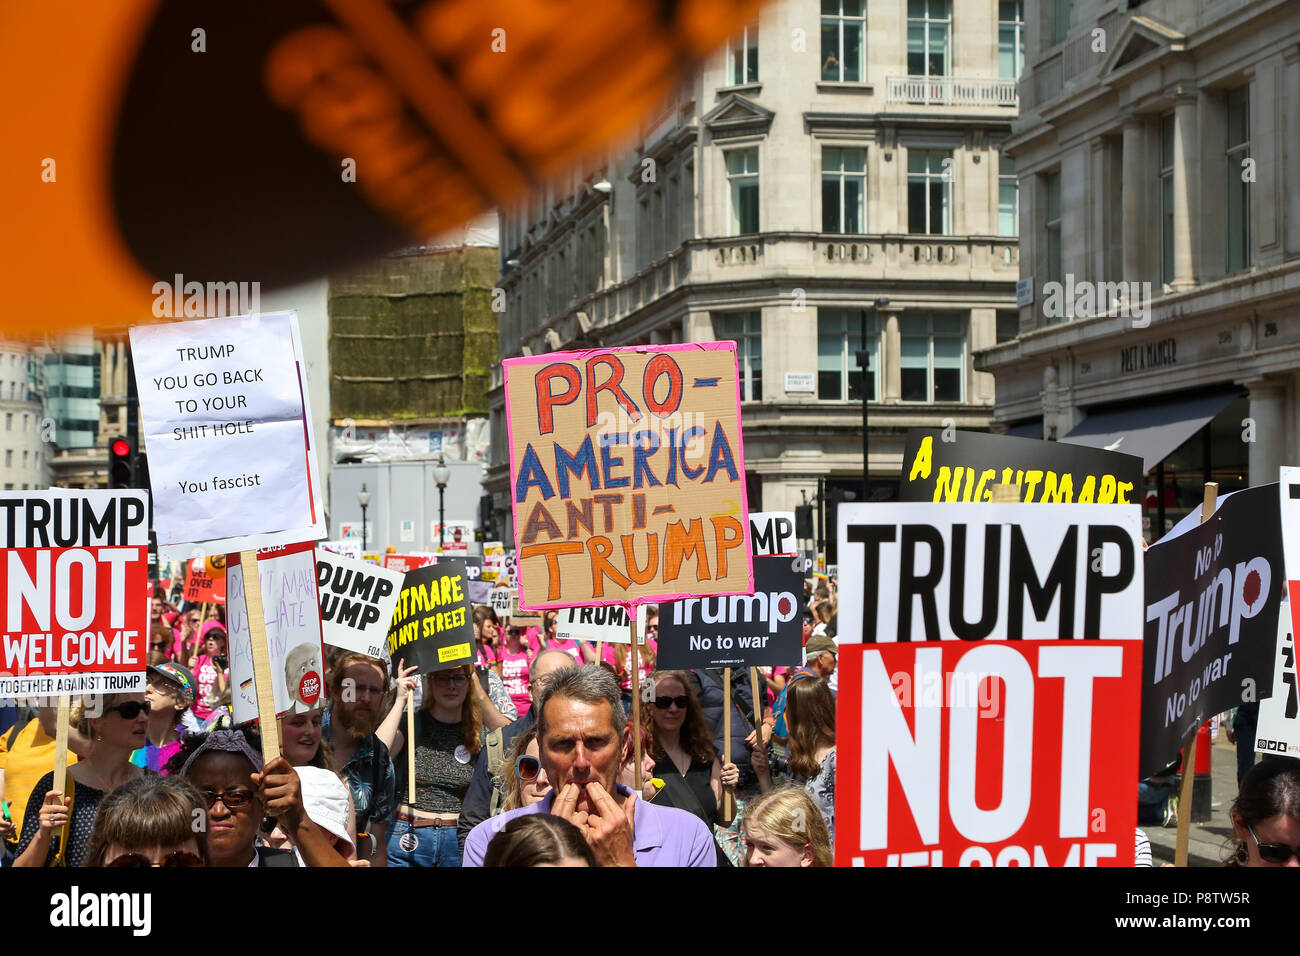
(785, 828)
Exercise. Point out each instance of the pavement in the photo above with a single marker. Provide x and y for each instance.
(1211, 842)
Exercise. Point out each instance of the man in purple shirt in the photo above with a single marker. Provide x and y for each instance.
(580, 730)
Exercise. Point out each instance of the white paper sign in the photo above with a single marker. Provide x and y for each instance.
(479, 592)
(225, 412)
(291, 609)
(1278, 730)
(771, 532)
(356, 603)
(349, 549)
(608, 624)
(503, 601)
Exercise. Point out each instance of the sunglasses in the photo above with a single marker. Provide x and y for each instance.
(681, 700)
(527, 767)
(160, 646)
(131, 709)
(1274, 852)
(176, 858)
(453, 679)
(233, 799)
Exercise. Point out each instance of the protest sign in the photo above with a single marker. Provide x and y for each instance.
(356, 602)
(480, 592)
(602, 624)
(1278, 728)
(950, 465)
(205, 580)
(994, 753)
(494, 556)
(432, 627)
(73, 592)
(503, 601)
(738, 631)
(232, 466)
(473, 565)
(408, 562)
(348, 548)
(772, 532)
(510, 567)
(989, 571)
(627, 475)
(290, 608)
(1212, 601)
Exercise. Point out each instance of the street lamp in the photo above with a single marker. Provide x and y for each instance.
(863, 362)
(440, 474)
(363, 499)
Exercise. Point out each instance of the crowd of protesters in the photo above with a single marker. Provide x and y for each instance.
(526, 758)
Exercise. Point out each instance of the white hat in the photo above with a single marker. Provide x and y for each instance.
(325, 797)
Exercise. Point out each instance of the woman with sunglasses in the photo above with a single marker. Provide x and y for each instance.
(150, 822)
(523, 779)
(56, 828)
(212, 674)
(682, 746)
(1266, 815)
(514, 657)
(448, 737)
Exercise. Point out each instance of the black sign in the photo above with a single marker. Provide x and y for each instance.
(433, 625)
(950, 465)
(1212, 597)
(765, 628)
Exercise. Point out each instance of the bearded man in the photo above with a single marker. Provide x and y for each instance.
(358, 685)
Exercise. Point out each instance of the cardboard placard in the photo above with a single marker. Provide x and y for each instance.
(983, 571)
(1278, 728)
(739, 631)
(356, 603)
(225, 412)
(433, 625)
(607, 625)
(403, 563)
(205, 580)
(950, 465)
(1212, 601)
(73, 593)
(291, 611)
(627, 475)
(993, 753)
(772, 532)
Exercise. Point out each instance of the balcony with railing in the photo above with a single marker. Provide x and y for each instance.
(951, 91)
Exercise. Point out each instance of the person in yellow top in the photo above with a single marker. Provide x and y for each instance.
(26, 755)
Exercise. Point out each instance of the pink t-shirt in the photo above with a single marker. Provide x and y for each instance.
(514, 675)
(205, 675)
(570, 647)
(642, 666)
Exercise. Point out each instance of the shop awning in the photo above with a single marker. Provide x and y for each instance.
(1152, 432)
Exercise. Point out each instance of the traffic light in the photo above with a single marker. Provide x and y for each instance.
(803, 521)
(121, 464)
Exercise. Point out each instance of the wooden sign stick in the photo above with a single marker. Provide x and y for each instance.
(758, 706)
(1006, 494)
(1189, 757)
(262, 687)
(727, 807)
(635, 679)
(410, 747)
(61, 745)
(600, 652)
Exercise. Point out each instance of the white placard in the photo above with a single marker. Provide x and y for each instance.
(902, 555)
(1276, 732)
(225, 412)
(801, 382)
(349, 549)
(291, 609)
(771, 532)
(478, 592)
(608, 624)
(356, 603)
(503, 601)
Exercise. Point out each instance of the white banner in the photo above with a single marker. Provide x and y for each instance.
(225, 412)
(356, 603)
(1278, 730)
(997, 571)
(608, 624)
(772, 532)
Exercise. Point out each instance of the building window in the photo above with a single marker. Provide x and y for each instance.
(742, 177)
(745, 329)
(1167, 198)
(932, 357)
(9, 421)
(929, 192)
(1060, 10)
(844, 182)
(844, 25)
(1008, 324)
(1011, 39)
(9, 457)
(25, 416)
(1052, 221)
(839, 336)
(929, 24)
(1237, 190)
(24, 457)
(1008, 197)
(742, 60)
